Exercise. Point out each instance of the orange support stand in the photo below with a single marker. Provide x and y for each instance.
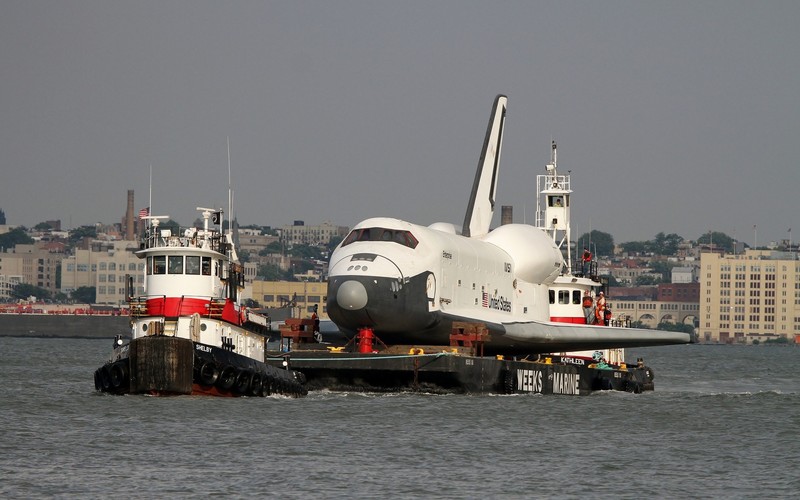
(469, 335)
(365, 338)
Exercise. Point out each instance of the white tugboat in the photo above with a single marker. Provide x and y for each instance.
(578, 281)
(190, 334)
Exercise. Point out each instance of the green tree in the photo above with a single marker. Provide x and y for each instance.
(274, 247)
(666, 244)
(635, 247)
(16, 236)
(79, 233)
(85, 295)
(597, 242)
(271, 272)
(663, 268)
(331, 246)
(25, 290)
(719, 240)
(645, 280)
(675, 327)
(306, 252)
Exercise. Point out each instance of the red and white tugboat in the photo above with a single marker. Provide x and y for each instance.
(574, 294)
(189, 332)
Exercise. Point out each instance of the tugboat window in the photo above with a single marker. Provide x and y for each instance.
(206, 266)
(150, 265)
(160, 264)
(176, 264)
(192, 264)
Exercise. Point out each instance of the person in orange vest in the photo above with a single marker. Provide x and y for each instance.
(600, 309)
(588, 307)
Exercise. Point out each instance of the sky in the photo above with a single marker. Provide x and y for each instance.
(675, 117)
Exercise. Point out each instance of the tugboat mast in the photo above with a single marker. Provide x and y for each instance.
(554, 192)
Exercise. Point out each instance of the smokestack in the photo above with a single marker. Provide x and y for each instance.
(129, 227)
(506, 215)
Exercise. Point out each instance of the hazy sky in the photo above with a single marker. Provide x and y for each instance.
(681, 117)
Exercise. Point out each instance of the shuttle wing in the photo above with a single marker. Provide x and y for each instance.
(556, 337)
(482, 200)
(547, 336)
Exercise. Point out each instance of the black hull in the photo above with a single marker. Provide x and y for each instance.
(413, 370)
(175, 366)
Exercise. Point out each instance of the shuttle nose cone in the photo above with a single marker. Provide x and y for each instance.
(351, 295)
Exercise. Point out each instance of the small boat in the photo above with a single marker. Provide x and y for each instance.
(190, 334)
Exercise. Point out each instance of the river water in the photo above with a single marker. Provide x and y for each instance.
(722, 422)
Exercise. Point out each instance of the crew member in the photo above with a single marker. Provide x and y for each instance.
(600, 309)
(588, 307)
(315, 318)
(585, 260)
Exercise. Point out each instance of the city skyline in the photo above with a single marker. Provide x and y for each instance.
(670, 119)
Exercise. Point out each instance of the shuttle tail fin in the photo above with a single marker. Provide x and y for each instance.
(482, 200)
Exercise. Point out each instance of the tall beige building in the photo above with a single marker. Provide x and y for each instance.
(36, 266)
(104, 267)
(754, 296)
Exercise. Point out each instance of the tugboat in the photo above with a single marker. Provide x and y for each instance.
(190, 334)
(573, 295)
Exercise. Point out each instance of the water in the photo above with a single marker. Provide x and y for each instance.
(722, 422)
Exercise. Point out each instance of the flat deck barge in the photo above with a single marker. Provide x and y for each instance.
(434, 369)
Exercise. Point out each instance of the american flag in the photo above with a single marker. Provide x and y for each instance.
(485, 299)
(144, 212)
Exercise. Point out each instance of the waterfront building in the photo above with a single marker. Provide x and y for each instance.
(749, 297)
(301, 295)
(652, 312)
(300, 234)
(34, 263)
(7, 284)
(104, 265)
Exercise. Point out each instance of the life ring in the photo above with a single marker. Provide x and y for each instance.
(255, 384)
(208, 373)
(119, 374)
(243, 381)
(105, 377)
(227, 377)
(266, 387)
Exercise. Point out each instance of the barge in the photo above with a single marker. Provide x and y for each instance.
(459, 369)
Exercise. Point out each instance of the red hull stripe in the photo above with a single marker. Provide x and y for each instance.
(567, 319)
(177, 306)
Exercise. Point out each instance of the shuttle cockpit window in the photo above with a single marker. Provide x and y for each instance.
(400, 236)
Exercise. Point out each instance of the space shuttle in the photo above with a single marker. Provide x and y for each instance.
(409, 283)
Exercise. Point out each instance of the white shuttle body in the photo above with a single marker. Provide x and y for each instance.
(409, 283)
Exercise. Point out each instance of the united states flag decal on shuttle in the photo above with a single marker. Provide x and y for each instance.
(485, 299)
